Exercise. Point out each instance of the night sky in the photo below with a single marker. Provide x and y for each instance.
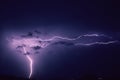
(66, 18)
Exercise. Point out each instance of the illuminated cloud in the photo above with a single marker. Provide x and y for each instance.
(30, 44)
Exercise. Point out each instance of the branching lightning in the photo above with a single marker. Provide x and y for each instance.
(28, 43)
(72, 39)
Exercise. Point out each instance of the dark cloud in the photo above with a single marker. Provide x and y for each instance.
(28, 53)
(44, 41)
(19, 47)
(36, 47)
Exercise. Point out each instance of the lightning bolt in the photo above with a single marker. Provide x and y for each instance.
(104, 43)
(31, 62)
(72, 39)
(31, 42)
(79, 37)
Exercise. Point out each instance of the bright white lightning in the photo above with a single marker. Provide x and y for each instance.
(71, 39)
(28, 44)
(89, 44)
(31, 62)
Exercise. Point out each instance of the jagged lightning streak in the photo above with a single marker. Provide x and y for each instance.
(104, 43)
(28, 43)
(72, 39)
(31, 62)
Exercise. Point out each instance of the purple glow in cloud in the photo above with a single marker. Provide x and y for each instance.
(28, 45)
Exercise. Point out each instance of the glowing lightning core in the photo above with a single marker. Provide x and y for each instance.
(27, 44)
(31, 62)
